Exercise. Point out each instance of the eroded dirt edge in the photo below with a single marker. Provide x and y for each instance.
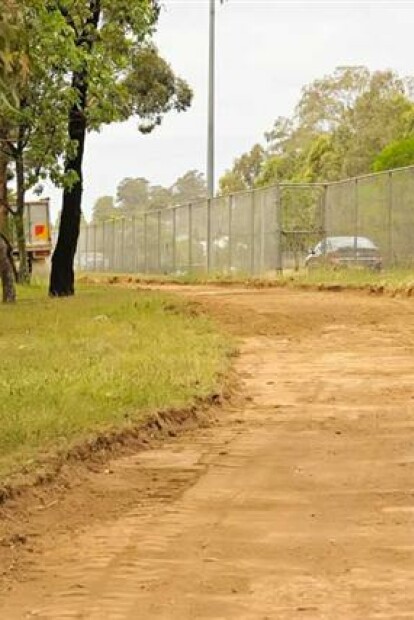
(59, 495)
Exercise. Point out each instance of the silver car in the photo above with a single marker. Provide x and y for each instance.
(345, 252)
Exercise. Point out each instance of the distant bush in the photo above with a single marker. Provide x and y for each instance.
(396, 155)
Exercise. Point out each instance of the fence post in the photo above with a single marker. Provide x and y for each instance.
(114, 244)
(252, 233)
(209, 200)
(324, 230)
(278, 231)
(122, 265)
(159, 241)
(174, 240)
(103, 245)
(145, 242)
(230, 231)
(134, 243)
(86, 246)
(390, 214)
(94, 246)
(190, 237)
(356, 220)
(262, 235)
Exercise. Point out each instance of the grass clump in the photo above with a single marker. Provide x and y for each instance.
(72, 367)
(391, 279)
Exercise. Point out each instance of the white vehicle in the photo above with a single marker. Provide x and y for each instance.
(38, 231)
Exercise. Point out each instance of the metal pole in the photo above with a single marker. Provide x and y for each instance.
(122, 265)
(134, 243)
(262, 235)
(174, 240)
(208, 235)
(86, 246)
(159, 242)
(356, 220)
(94, 246)
(390, 214)
(279, 232)
(230, 245)
(114, 267)
(211, 100)
(104, 246)
(324, 205)
(190, 238)
(252, 234)
(145, 243)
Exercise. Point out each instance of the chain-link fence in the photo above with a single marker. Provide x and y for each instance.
(258, 232)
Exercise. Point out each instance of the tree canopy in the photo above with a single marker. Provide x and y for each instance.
(339, 127)
(136, 195)
(396, 155)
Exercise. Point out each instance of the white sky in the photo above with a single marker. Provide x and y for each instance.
(266, 52)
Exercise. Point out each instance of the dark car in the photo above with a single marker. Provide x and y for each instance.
(345, 252)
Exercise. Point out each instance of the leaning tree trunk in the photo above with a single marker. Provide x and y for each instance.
(6, 259)
(62, 277)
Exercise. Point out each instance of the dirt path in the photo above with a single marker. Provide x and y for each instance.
(298, 505)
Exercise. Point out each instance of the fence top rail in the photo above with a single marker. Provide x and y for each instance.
(257, 190)
(371, 175)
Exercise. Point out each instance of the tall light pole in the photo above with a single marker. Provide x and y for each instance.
(211, 100)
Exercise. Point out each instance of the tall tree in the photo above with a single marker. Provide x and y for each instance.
(245, 171)
(342, 121)
(7, 98)
(190, 187)
(132, 196)
(34, 132)
(103, 209)
(118, 74)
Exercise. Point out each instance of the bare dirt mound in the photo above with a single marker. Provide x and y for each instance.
(297, 505)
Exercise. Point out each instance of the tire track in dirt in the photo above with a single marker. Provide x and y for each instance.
(298, 505)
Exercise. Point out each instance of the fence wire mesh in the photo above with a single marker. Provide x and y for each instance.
(257, 232)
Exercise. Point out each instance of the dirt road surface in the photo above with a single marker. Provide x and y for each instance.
(298, 504)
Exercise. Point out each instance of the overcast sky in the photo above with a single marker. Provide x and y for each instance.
(266, 52)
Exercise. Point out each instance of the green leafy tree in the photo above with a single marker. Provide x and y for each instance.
(104, 209)
(189, 188)
(118, 74)
(245, 171)
(34, 129)
(398, 154)
(132, 196)
(340, 124)
(160, 197)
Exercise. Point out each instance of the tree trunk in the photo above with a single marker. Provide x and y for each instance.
(62, 277)
(6, 264)
(7, 273)
(24, 272)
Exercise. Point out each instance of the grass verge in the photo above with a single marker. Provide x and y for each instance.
(393, 280)
(101, 360)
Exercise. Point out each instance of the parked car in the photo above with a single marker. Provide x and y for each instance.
(345, 252)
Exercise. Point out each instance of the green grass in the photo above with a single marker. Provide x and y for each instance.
(105, 358)
(354, 278)
(349, 278)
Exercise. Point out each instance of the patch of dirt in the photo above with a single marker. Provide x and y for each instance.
(59, 494)
(297, 503)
